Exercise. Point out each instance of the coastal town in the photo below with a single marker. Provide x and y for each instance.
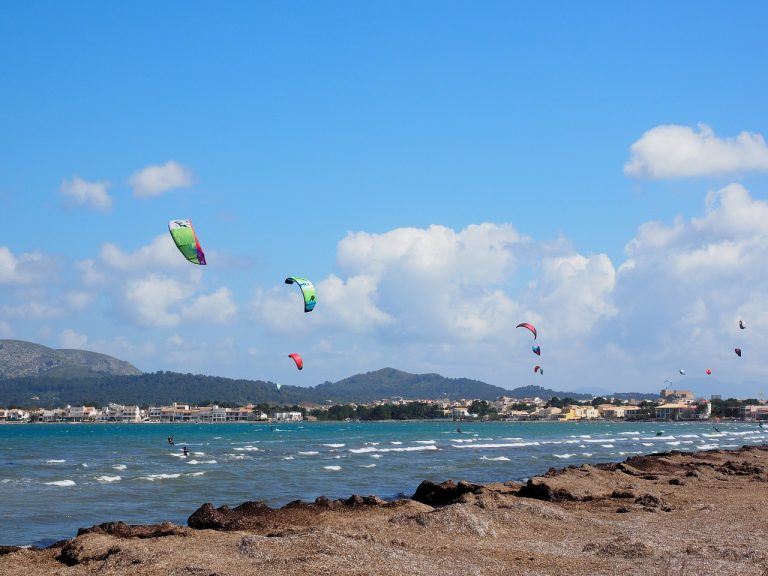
(671, 405)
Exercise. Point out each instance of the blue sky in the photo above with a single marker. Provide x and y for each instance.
(296, 125)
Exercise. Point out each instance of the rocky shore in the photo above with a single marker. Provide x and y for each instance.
(671, 514)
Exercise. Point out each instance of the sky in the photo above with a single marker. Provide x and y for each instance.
(441, 170)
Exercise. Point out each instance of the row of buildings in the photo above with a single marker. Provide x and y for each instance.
(120, 413)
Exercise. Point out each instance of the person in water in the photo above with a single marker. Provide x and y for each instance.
(170, 440)
(458, 429)
(185, 451)
(659, 433)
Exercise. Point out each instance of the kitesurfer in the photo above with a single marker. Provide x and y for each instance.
(170, 440)
(185, 451)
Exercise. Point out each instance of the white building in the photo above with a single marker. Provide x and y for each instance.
(288, 416)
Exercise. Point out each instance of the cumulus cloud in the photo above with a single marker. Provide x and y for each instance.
(90, 194)
(673, 151)
(218, 307)
(25, 268)
(152, 301)
(158, 179)
(69, 339)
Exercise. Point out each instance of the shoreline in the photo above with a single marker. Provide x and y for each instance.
(664, 491)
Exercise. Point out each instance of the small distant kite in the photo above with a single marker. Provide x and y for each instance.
(278, 386)
(530, 327)
(186, 241)
(538, 369)
(682, 372)
(536, 350)
(307, 290)
(738, 352)
(709, 371)
(742, 324)
(297, 358)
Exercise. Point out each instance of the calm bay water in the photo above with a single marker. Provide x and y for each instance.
(55, 478)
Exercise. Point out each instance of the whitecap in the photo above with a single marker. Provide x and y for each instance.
(647, 443)
(198, 453)
(587, 454)
(153, 477)
(676, 443)
(634, 433)
(119, 466)
(423, 441)
(309, 453)
(376, 456)
(395, 442)
(202, 462)
(62, 483)
(500, 445)
(368, 466)
(195, 474)
(607, 445)
(332, 468)
(364, 450)
(55, 461)
(287, 457)
(597, 441)
(708, 446)
(108, 478)
(659, 438)
(496, 459)
(563, 455)
(334, 445)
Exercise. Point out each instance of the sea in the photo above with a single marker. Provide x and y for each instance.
(56, 478)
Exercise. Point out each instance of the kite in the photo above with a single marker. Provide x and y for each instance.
(682, 371)
(738, 352)
(530, 327)
(536, 350)
(297, 358)
(307, 290)
(709, 371)
(538, 369)
(186, 241)
(742, 324)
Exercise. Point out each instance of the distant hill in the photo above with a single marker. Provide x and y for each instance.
(389, 383)
(34, 375)
(19, 359)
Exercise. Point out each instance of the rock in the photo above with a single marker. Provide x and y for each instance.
(677, 482)
(622, 510)
(448, 492)
(650, 501)
(123, 530)
(623, 494)
(224, 518)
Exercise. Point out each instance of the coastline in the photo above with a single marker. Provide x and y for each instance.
(665, 513)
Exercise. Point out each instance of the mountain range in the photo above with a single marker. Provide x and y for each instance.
(34, 375)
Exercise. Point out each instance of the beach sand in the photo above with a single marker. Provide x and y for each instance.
(672, 514)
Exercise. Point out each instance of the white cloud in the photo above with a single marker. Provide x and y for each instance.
(32, 310)
(160, 254)
(217, 308)
(158, 179)
(152, 301)
(69, 339)
(27, 268)
(673, 151)
(91, 194)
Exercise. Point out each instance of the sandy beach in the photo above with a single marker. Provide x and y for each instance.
(669, 513)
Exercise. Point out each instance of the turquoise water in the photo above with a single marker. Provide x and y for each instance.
(55, 478)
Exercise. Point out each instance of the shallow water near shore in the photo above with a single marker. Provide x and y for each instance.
(55, 478)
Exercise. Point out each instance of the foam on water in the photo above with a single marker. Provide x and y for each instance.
(309, 453)
(202, 462)
(496, 459)
(607, 445)
(52, 461)
(500, 445)
(368, 466)
(62, 483)
(287, 457)
(108, 478)
(423, 441)
(563, 455)
(155, 477)
(334, 445)
(332, 468)
(395, 442)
